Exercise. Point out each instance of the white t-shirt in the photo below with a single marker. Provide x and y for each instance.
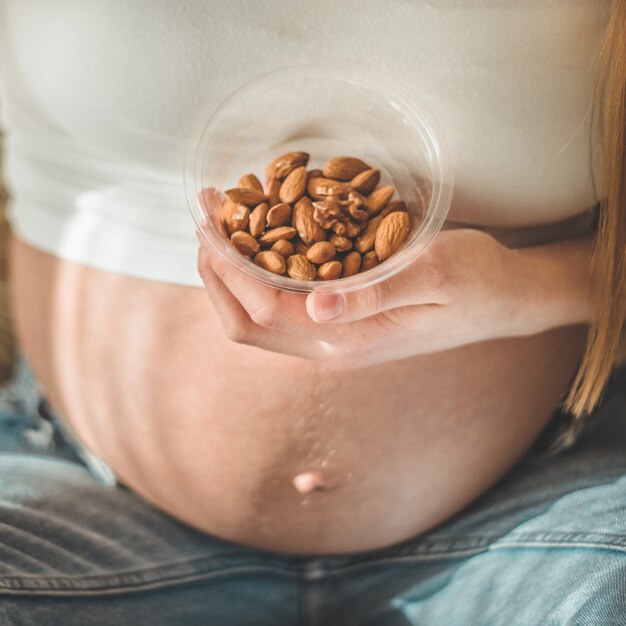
(100, 99)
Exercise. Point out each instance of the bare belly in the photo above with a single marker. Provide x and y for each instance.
(214, 432)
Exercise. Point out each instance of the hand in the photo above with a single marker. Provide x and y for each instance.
(464, 288)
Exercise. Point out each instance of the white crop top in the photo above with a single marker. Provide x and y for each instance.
(99, 100)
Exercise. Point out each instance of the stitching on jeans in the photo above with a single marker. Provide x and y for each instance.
(613, 539)
(134, 582)
(538, 539)
(115, 584)
(411, 559)
(558, 544)
(529, 540)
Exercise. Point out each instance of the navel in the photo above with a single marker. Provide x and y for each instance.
(311, 481)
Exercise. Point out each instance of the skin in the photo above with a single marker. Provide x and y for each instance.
(465, 288)
(213, 430)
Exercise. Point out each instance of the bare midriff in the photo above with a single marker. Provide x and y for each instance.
(268, 450)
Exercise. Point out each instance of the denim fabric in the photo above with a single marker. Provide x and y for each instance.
(544, 546)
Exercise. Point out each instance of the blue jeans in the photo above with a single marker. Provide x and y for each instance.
(544, 546)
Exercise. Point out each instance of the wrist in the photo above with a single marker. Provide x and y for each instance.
(557, 282)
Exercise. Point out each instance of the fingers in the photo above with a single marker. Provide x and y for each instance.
(239, 328)
(353, 345)
(257, 314)
(269, 307)
(418, 284)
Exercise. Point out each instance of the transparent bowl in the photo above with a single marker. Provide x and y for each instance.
(325, 110)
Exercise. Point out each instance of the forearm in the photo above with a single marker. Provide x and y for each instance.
(557, 282)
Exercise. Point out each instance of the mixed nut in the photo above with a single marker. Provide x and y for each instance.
(315, 224)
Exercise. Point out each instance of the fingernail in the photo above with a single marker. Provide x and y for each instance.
(325, 306)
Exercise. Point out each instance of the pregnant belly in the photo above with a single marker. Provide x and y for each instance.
(214, 433)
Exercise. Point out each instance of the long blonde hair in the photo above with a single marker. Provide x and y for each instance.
(606, 342)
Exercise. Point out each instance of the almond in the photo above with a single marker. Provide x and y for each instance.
(245, 243)
(284, 164)
(271, 261)
(396, 205)
(319, 188)
(321, 252)
(279, 215)
(300, 268)
(273, 191)
(391, 234)
(369, 261)
(234, 216)
(293, 186)
(257, 219)
(283, 247)
(365, 242)
(342, 244)
(330, 270)
(273, 235)
(336, 219)
(250, 181)
(302, 219)
(378, 199)
(344, 168)
(351, 264)
(301, 248)
(249, 197)
(366, 181)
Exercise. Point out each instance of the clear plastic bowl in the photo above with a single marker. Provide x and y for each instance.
(325, 110)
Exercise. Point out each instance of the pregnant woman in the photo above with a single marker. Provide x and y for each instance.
(445, 449)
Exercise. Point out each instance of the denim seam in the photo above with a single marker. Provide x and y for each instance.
(145, 577)
(437, 544)
(558, 544)
(539, 539)
(402, 559)
(129, 581)
(572, 536)
(409, 559)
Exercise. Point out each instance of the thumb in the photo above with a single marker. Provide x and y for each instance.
(351, 306)
(410, 287)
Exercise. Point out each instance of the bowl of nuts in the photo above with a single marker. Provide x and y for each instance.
(316, 177)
